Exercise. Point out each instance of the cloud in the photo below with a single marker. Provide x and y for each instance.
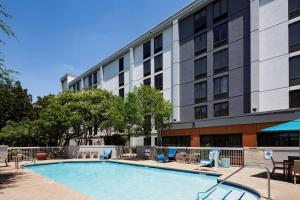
(68, 67)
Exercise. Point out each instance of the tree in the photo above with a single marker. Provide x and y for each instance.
(146, 109)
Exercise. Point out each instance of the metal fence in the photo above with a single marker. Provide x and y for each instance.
(30, 152)
(195, 154)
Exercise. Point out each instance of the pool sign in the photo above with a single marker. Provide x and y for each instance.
(268, 154)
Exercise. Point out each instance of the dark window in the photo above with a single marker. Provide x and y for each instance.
(147, 68)
(200, 92)
(221, 87)
(147, 141)
(224, 140)
(220, 9)
(221, 61)
(158, 43)
(221, 109)
(158, 81)
(121, 93)
(294, 8)
(294, 37)
(176, 141)
(200, 68)
(147, 81)
(199, 20)
(158, 63)
(200, 44)
(121, 79)
(90, 80)
(95, 78)
(147, 50)
(295, 71)
(77, 86)
(295, 99)
(278, 139)
(200, 112)
(220, 35)
(121, 64)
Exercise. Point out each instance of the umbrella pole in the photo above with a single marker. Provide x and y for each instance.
(299, 144)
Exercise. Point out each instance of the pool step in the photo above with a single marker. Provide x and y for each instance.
(226, 194)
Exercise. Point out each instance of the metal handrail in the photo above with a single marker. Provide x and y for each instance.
(17, 160)
(246, 165)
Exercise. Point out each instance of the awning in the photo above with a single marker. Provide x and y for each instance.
(287, 126)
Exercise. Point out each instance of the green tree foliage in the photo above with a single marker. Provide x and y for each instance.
(15, 103)
(145, 110)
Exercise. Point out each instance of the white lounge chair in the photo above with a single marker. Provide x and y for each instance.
(4, 154)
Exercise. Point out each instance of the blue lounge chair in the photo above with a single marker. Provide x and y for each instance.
(171, 156)
(106, 154)
(210, 161)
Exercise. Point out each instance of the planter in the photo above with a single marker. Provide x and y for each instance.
(41, 155)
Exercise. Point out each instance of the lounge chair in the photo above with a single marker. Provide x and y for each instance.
(170, 157)
(3, 154)
(276, 165)
(296, 170)
(210, 161)
(106, 154)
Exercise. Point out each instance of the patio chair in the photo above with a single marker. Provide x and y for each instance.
(296, 170)
(170, 157)
(147, 153)
(180, 157)
(106, 154)
(210, 161)
(4, 154)
(276, 165)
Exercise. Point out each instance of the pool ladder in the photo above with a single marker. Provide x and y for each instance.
(17, 161)
(211, 193)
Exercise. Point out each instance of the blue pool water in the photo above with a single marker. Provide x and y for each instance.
(113, 181)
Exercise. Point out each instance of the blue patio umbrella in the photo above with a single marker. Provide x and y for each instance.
(291, 126)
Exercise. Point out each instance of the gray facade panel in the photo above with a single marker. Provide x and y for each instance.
(187, 94)
(187, 71)
(236, 82)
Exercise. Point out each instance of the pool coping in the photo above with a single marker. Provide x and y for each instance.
(229, 183)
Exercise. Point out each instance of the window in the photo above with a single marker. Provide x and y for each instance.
(221, 109)
(176, 141)
(147, 81)
(147, 50)
(200, 68)
(220, 9)
(295, 71)
(147, 141)
(294, 8)
(295, 99)
(158, 81)
(90, 80)
(199, 20)
(158, 43)
(121, 79)
(200, 112)
(294, 37)
(158, 63)
(147, 68)
(77, 86)
(121, 64)
(200, 92)
(95, 78)
(224, 140)
(200, 44)
(221, 61)
(121, 93)
(221, 87)
(220, 35)
(278, 139)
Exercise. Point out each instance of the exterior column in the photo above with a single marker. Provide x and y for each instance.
(131, 69)
(175, 71)
(254, 62)
(101, 77)
(81, 84)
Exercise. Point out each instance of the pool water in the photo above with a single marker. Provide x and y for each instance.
(113, 181)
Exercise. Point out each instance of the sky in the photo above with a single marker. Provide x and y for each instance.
(55, 37)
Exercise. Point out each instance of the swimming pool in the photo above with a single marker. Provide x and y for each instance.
(112, 181)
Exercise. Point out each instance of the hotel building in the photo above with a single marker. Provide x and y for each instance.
(229, 67)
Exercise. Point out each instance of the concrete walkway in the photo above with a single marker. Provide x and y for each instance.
(24, 184)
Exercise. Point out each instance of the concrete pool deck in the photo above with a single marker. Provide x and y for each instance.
(23, 184)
